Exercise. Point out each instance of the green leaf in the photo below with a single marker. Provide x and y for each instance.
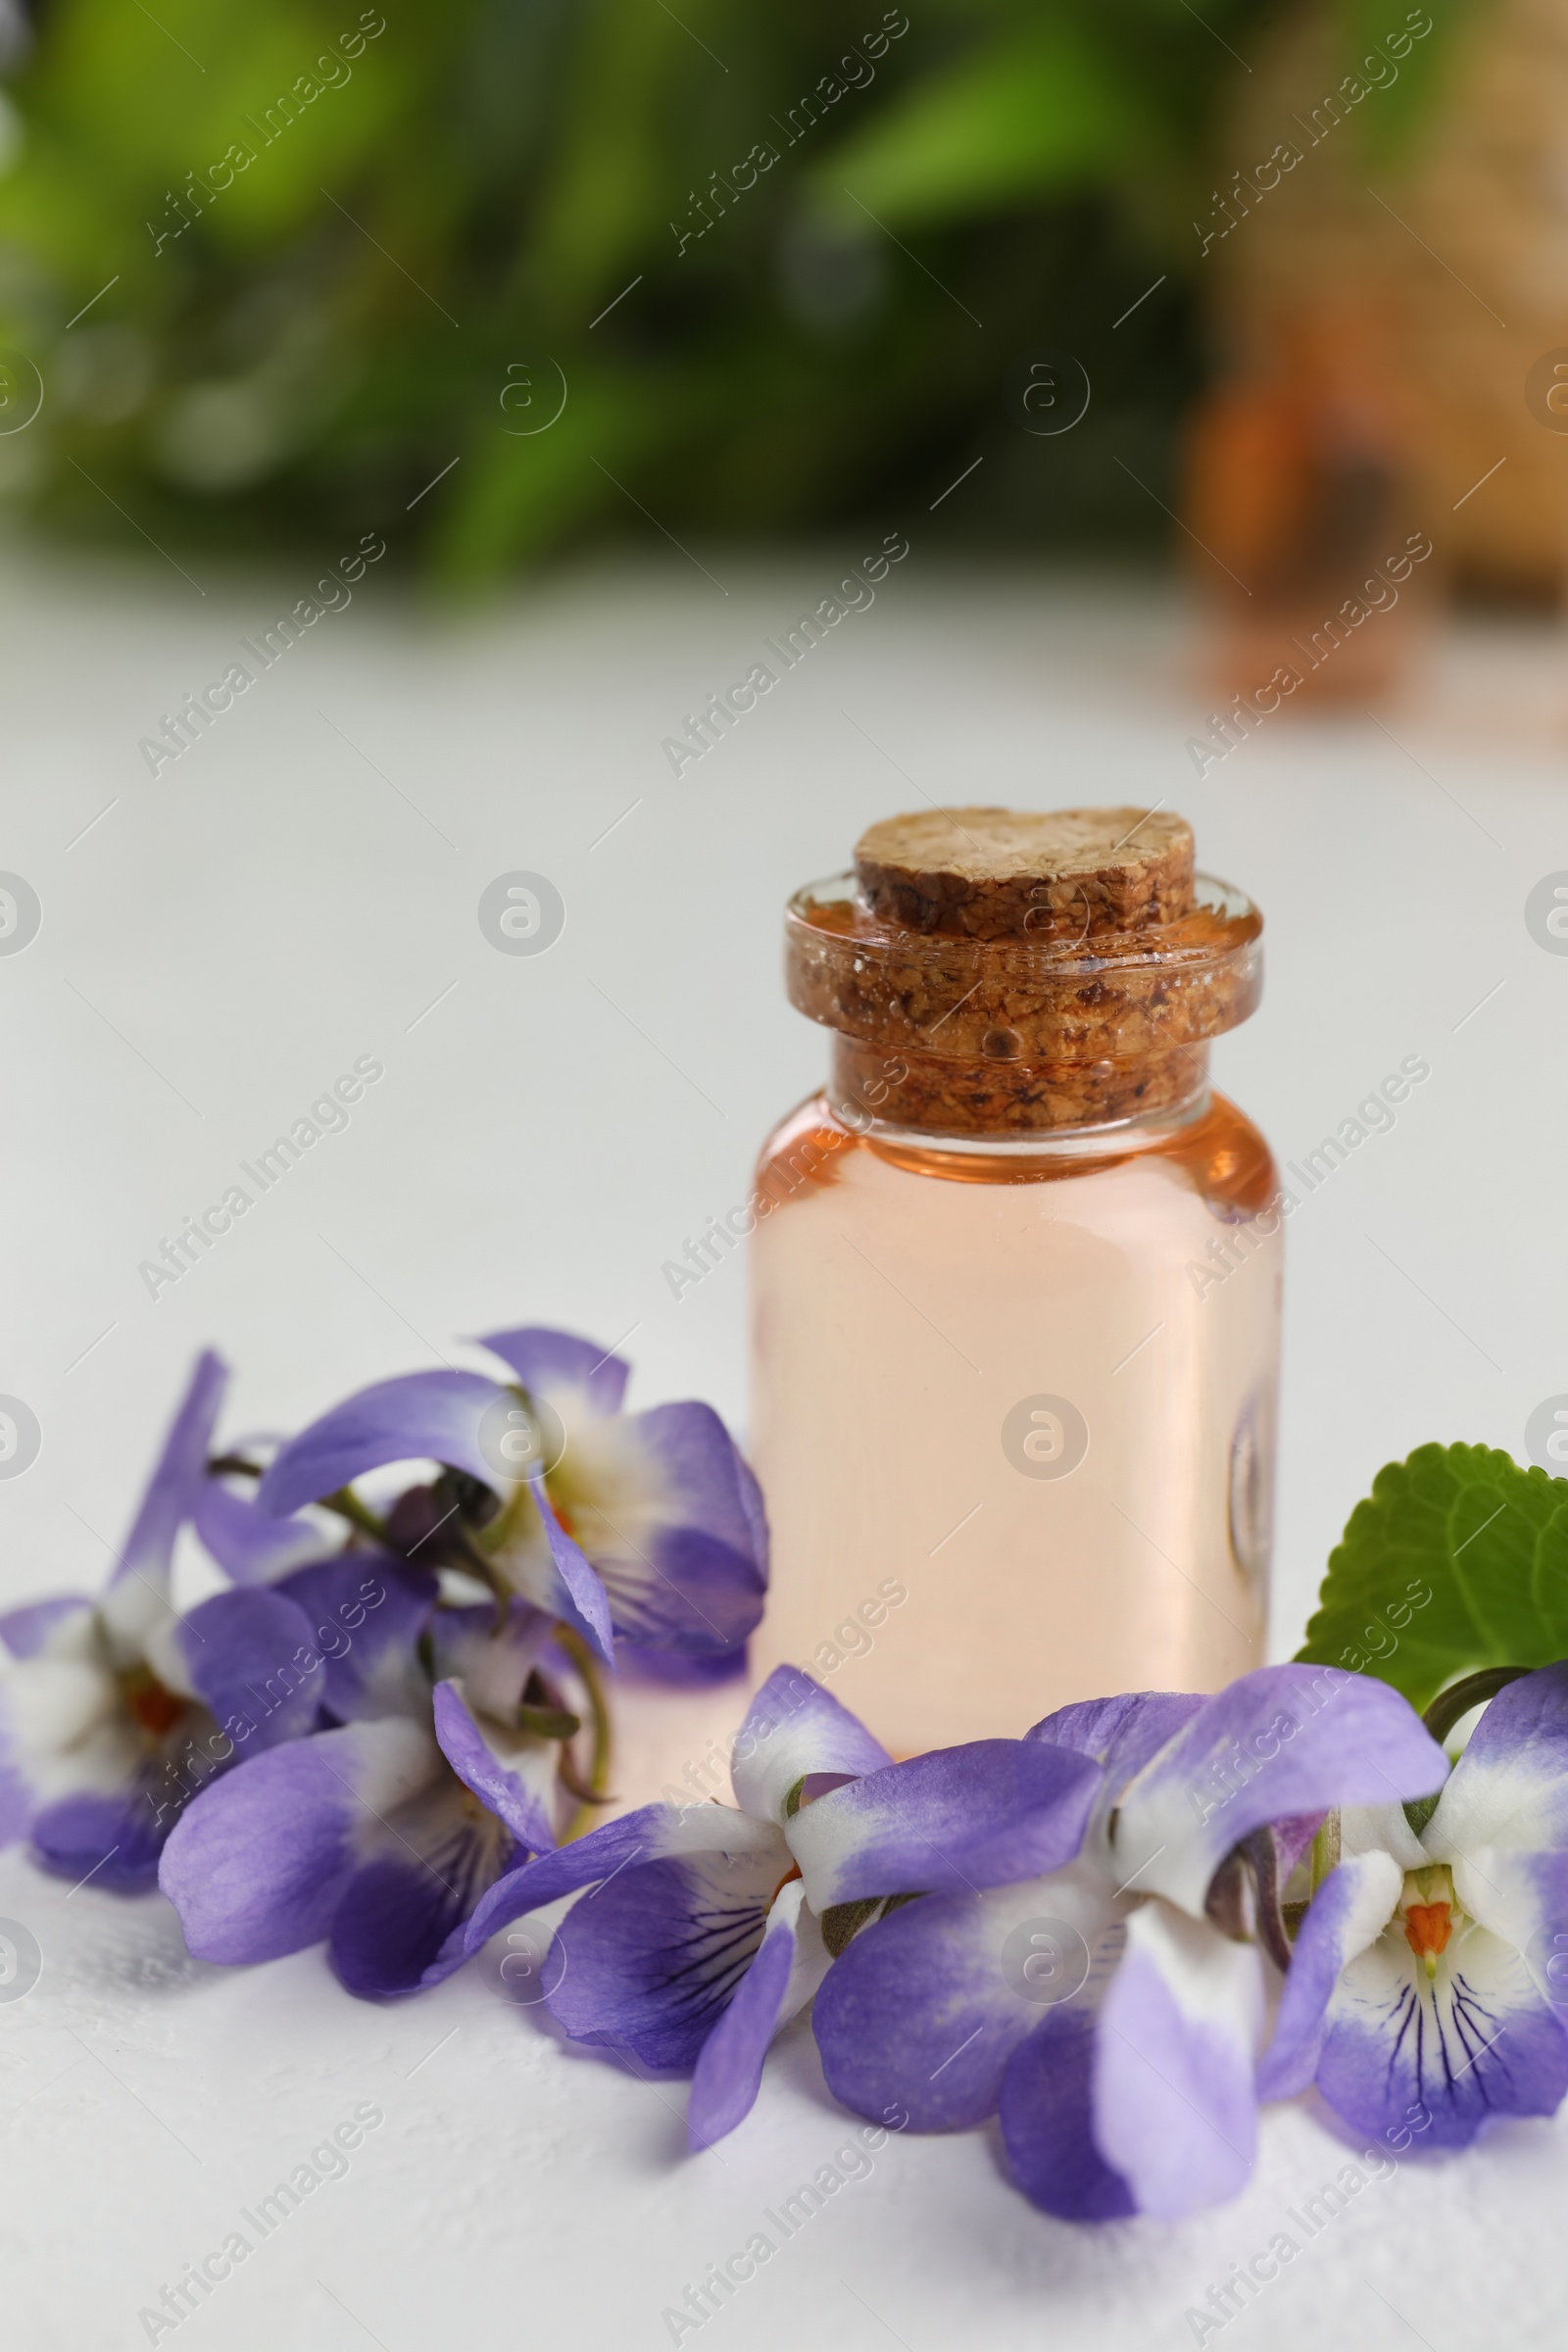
(1458, 1559)
(1034, 113)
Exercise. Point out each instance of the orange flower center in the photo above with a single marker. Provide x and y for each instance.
(1429, 1912)
(155, 1707)
(783, 1883)
(1427, 1928)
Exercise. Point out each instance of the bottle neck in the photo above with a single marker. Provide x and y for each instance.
(1007, 1108)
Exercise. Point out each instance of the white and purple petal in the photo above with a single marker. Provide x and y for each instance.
(653, 1832)
(499, 1786)
(257, 1864)
(1523, 1899)
(1174, 2111)
(64, 1722)
(421, 1416)
(493, 1663)
(926, 2006)
(1349, 1910)
(569, 1588)
(672, 1517)
(1292, 1838)
(789, 1965)
(401, 1925)
(137, 1592)
(684, 1592)
(1123, 1734)
(1047, 2117)
(178, 1474)
(615, 1845)
(1381, 1830)
(113, 1838)
(1281, 1740)
(366, 1612)
(249, 1544)
(1475, 2042)
(61, 1726)
(956, 1820)
(249, 1658)
(576, 1378)
(1510, 1785)
(30, 1631)
(654, 1956)
(795, 1731)
(1120, 1735)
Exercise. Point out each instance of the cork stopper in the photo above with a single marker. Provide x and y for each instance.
(1007, 873)
(996, 971)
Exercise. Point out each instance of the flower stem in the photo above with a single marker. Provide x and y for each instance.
(347, 1504)
(582, 1658)
(1451, 1705)
(1326, 1849)
(234, 1465)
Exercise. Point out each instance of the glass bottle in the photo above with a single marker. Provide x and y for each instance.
(1015, 1306)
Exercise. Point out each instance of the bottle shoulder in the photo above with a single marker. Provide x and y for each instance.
(1219, 1154)
(1225, 1157)
(808, 1145)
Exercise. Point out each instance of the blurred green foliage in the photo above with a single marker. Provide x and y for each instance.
(327, 253)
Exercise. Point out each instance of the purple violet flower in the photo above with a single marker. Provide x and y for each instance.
(381, 1834)
(251, 1545)
(1431, 1969)
(645, 1526)
(703, 1932)
(114, 1710)
(1101, 2007)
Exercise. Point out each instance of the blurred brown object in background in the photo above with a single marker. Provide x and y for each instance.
(1296, 490)
(1450, 232)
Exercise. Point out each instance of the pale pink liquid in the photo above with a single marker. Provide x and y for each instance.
(904, 1303)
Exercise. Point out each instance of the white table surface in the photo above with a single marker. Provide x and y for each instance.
(301, 889)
